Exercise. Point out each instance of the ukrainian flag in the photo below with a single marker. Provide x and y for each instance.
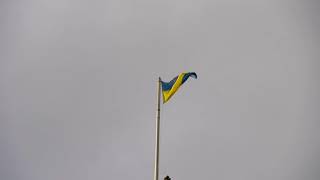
(169, 88)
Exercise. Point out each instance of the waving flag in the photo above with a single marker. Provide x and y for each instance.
(169, 88)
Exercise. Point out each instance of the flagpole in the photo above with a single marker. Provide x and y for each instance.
(156, 161)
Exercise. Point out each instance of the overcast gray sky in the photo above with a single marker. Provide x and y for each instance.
(78, 89)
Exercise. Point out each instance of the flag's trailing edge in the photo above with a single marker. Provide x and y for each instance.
(169, 88)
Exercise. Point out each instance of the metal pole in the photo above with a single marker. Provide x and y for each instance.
(156, 162)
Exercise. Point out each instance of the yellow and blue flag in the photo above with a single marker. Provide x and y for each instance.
(169, 88)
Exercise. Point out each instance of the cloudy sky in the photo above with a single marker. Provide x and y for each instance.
(78, 89)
